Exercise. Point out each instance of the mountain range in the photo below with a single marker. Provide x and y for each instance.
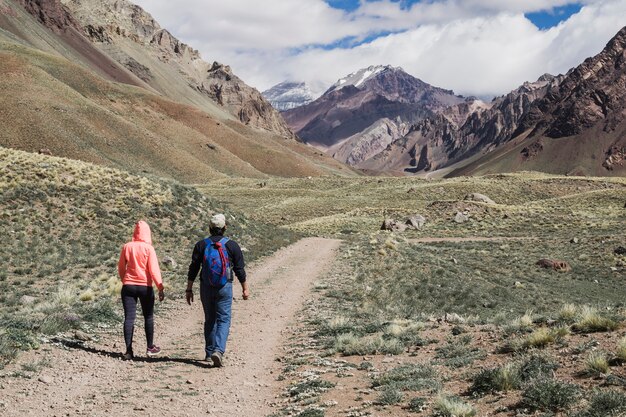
(102, 81)
(381, 119)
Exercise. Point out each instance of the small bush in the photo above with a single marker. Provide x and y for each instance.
(590, 321)
(620, 354)
(389, 396)
(550, 395)
(596, 364)
(453, 407)
(537, 366)
(458, 352)
(568, 313)
(310, 386)
(417, 405)
(605, 404)
(312, 412)
(410, 377)
(87, 295)
(540, 338)
(348, 344)
(504, 378)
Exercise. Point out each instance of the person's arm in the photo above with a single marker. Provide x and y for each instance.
(155, 272)
(239, 267)
(121, 264)
(194, 268)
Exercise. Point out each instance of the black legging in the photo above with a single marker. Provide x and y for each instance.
(130, 294)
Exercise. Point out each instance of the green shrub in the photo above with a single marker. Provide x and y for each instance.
(596, 364)
(568, 313)
(310, 386)
(417, 404)
(389, 396)
(504, 378)
(590, 321)
(458, 353)
(453, 407)
(605, 404)
(311, 412)
(537, 366)
(620, 354)
(550, 395)
(410, 377)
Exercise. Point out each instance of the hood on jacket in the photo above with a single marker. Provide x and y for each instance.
(142, 233)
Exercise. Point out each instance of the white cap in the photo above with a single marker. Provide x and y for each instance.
(218, 221)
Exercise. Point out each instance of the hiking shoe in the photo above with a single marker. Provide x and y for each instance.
(208, 360)
(153, 351)
(128, 356)
(216, 357)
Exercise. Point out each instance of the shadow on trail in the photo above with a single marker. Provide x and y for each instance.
(74, 344)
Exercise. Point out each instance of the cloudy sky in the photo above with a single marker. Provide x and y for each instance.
(475, 47)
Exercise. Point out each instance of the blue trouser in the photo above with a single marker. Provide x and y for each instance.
(217, 304)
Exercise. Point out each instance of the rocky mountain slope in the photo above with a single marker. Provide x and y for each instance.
(365, 111)
(289, 95)
(58, 94)
(577, 127)
(460, 131)
(568, 124)
(135, 40)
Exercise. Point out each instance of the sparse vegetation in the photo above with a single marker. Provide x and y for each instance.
(550, 395)
(590, 321)
(60, 230)
(415, 377)
(605, 404)
(596, 364)
(621, 350)
(453, 407)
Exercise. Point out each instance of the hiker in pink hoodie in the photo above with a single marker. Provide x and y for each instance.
(138, 269)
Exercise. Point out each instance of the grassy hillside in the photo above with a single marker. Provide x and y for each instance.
(64, 223)
(50, 102)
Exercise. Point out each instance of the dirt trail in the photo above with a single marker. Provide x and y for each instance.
(95, 382)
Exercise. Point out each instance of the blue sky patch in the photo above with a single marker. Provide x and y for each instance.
(551, 18)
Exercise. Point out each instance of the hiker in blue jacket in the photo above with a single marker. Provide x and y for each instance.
(218, 257)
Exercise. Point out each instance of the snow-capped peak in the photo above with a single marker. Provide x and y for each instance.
(289, 95)
(359, 77)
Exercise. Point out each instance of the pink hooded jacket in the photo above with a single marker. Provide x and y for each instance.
(138, 263)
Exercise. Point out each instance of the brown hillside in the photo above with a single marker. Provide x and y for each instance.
(49, 102)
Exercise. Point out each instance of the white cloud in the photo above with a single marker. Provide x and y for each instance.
(476, 47)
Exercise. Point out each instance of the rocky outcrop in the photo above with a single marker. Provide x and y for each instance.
(52, 14)
(591, 93)
(245, 102)
(370, 142)
(136, 40)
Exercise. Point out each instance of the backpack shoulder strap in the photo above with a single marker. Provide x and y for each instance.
(224, 240)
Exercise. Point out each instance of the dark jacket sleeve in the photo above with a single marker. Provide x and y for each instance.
(237, 260)
(196, 260)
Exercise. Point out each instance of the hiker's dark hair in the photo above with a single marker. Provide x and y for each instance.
(215, 231)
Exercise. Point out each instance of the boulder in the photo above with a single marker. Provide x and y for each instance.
(560, 266)
(416, 222)
(620, 250)
(170, 262)
(461, 217)
(481, 198)
(27, 299)
(393, 226)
